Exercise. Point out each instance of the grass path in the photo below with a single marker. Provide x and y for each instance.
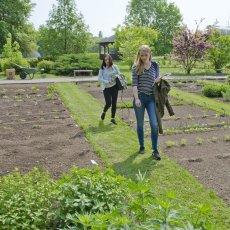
(117, 145)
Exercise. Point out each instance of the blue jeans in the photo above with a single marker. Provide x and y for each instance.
(147, 102)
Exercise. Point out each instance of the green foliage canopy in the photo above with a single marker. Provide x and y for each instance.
(158, 15)
(129, 39)
(219, 54)
(65, 31)
(14, 16)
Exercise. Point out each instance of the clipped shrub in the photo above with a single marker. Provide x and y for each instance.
(45, 66)
(65, 64)
(33, 62)
(214, 90)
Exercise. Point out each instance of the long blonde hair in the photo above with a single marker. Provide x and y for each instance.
(139, 63)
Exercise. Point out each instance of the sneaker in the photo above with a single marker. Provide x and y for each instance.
(103, 116)
(113, 121)
(156, 155)
(142, 150)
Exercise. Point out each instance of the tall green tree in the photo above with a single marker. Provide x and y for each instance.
(129, 39)
(156, 14)
(219, 54)
(14, 16)
(65, 31)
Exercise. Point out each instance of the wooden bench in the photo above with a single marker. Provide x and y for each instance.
(77, 71)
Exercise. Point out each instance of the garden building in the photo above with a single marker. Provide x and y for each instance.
(106, 46)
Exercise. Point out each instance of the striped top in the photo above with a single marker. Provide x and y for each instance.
(145, 81)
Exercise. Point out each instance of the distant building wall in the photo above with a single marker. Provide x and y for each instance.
(225, 30)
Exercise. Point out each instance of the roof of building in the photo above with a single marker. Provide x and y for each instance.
(110, 39)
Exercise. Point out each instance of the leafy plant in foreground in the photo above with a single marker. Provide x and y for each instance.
(87, 192)
(25, 201)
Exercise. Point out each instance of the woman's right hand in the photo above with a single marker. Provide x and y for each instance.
(137, 102)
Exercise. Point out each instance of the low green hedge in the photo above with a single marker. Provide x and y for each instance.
(65, 64)
(215, 89)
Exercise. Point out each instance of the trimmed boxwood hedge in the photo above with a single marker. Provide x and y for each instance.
(65, 64)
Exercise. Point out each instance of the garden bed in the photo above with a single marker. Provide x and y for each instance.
(196, 138)
(36, 130)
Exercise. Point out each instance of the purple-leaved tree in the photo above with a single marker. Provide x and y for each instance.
(190, 47)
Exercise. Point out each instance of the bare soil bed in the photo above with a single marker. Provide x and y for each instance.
(196, 138)
(36, 130)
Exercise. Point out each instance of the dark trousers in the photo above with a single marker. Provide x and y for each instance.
(110, 95)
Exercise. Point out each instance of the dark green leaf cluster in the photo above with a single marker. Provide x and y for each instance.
(65, 64)
(25, 201)
(45, 66)
(215, 90)
(87, 191)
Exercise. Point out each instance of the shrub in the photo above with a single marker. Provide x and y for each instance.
(12, 54)
(65, 64)
(228, 79)
(7, 63)
(33, 62)
(226, 95)
(45, 66)
(214, 90)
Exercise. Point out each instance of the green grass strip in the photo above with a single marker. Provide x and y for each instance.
(118, 145)
(202, 101)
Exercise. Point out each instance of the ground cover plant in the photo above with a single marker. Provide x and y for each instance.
(90, 199)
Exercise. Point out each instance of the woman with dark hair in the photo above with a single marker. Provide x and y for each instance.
(107, 75)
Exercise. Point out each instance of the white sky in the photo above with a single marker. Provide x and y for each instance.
(104, 15)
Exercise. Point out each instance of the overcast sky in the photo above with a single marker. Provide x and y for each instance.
(104, 15)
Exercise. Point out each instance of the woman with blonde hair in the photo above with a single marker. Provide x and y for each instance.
(145, 73)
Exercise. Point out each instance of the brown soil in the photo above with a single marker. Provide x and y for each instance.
(204, 152)
(37, 131)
